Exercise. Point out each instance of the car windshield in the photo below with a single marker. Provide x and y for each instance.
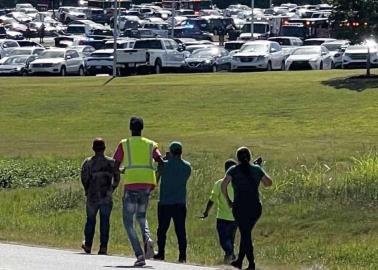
(101, 55)
(52, 54)
(257, 28)
(21, 52)
(313, 42)
(282, 41)
(258, 48)
(306, 51)
(294, 31)
(16, 60)
(333, 46)
(206, 52)
(148, 44)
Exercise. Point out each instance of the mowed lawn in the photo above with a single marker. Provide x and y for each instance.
(301, 123)
(281, 115)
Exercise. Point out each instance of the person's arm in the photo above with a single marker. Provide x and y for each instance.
(85, 176)
(156, 155)
(118, 157)
(225, 182)
(266, 180)
(209, 205)
(116, 177)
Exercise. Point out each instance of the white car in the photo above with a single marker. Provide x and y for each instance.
(336, 49)
(58, 61)
(159, 29)
(25, 51)
(308, 58)
(100, 62)
(356, 56)
(262, 54)
(7, 45)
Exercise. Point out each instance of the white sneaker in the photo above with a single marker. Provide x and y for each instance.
(149, 251)
(140, 261)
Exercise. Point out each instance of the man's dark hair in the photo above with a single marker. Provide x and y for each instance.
(229, 163)
(98, 145)
(136, 123)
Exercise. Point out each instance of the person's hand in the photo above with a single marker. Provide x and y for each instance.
(258, 161)
(204, 215)
(230, 204)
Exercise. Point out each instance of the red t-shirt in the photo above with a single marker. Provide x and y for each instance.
(119, 155)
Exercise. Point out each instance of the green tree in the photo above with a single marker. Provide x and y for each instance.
(355, 19)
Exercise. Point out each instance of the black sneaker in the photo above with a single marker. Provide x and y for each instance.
(159, 257)
(87, 249)
(237, 264)
(182, 259)
(103, 251)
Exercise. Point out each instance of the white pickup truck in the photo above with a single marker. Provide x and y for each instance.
(156, 53)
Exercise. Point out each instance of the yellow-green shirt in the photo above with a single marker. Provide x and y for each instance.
(223, 210)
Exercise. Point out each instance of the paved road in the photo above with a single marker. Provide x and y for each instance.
(17, 257)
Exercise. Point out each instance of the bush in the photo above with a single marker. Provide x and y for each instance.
(15, 173)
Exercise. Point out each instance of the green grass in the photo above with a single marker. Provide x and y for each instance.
(317, 135)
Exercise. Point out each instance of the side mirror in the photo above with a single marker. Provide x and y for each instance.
(181, 47)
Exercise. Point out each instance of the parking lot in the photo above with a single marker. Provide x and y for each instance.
(95, 38)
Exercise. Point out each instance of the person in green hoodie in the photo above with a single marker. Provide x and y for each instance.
(226, 225)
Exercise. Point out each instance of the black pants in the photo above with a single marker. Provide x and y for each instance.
(177, 212)
(246, 217)
(226, 232)
(105, 210)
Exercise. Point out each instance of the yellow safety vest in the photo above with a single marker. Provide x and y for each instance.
(138, 161)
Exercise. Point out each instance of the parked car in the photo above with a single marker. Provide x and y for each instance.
(161, 53)
(159, 29)
(317, 41)
(7, 45)
(356, 56)
(58, 61)
(262, 54)
(83, 50)
(209, 59)
(29, 43)
(25, 51)
(192, 48)
(337, 49)
(100, 62)
(309, 57)
(16, 65)
(288, 44)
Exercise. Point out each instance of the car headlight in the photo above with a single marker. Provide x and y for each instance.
(346, 54)
(207, 61)
(261, 58)
(235, 58)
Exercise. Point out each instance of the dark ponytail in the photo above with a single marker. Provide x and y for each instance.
(243, 155)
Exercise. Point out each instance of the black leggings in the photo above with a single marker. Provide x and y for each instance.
(246, 217)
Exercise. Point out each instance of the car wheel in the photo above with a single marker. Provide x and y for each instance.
(24, 73)
(283, 68)
(63, 71)
(269, 66)
(158, 66)
(214, 68)
(332, 65)
(81, 71)
(321, 66)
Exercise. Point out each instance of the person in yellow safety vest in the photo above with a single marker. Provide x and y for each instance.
(135, 156)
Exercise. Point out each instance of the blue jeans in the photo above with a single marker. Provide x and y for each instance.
(135, 203)
(105, 210)
(226, 232)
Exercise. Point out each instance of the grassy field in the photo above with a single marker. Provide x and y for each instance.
(316, 131)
